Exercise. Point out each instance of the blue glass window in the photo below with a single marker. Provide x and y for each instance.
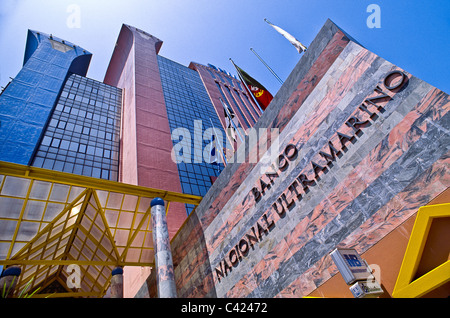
(186, 101)
(78, 131)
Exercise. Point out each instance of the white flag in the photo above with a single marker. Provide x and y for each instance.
(296, 43)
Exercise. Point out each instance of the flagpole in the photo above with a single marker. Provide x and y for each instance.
(268, 21)
(221, 149)
(268, 67)
(245, 86)
(231, 119)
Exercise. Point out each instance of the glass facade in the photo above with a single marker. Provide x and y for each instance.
(82, 136)
(187, 101)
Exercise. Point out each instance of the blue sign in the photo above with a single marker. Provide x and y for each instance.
(352, 260)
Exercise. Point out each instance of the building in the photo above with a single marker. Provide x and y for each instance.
(361, 154)
(82, 136)
(189, 107)
(161, 96)
(28, 100)
(125, 128)
(221, 84)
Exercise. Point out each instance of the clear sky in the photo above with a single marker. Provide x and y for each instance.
(413, 34)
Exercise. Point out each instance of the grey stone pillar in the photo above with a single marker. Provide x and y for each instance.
(8, 280)
(117, 283)
(165, 278)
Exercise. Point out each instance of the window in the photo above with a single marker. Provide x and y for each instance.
(55, 142)
(64, 144)
(46, 141)
(237, 107)
(75, 139)
(187, 100)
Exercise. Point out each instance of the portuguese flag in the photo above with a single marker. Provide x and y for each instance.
(262, 95)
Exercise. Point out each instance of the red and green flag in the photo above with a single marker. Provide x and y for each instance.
(261, 94)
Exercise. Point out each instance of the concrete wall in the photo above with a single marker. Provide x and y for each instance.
(146, 141)
(387, 159)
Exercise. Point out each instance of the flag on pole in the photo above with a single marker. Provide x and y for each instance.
(296, 43)
(262, 95)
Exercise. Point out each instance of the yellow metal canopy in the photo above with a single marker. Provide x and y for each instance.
(406, 286)
(51, 220)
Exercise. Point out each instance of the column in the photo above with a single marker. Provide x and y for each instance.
(165, 278)
(117, 283)
(8, 280)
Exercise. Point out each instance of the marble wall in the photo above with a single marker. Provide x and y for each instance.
(368, 154)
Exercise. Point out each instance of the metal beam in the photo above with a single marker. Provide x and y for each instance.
(108, 233)
(29, 172)
(67, 295)
(69, 262)
(19, 221)
(24, 252)
(134, 234)
(36, 248)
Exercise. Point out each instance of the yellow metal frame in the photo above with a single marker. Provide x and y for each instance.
(13, 169)
(405, 287)
(101, 224)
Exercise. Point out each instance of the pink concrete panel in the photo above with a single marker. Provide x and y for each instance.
(145, 158)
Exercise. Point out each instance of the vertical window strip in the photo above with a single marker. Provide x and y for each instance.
(250, 114)
(225, 100)
(250, 102)
(237, 107)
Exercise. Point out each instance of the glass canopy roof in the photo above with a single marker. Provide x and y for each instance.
(52, 220)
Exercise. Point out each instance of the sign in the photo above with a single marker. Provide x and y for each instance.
(336, 147)
(351, 266)
(236, 254)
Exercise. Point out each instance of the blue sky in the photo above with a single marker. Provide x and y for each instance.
(413, 35)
